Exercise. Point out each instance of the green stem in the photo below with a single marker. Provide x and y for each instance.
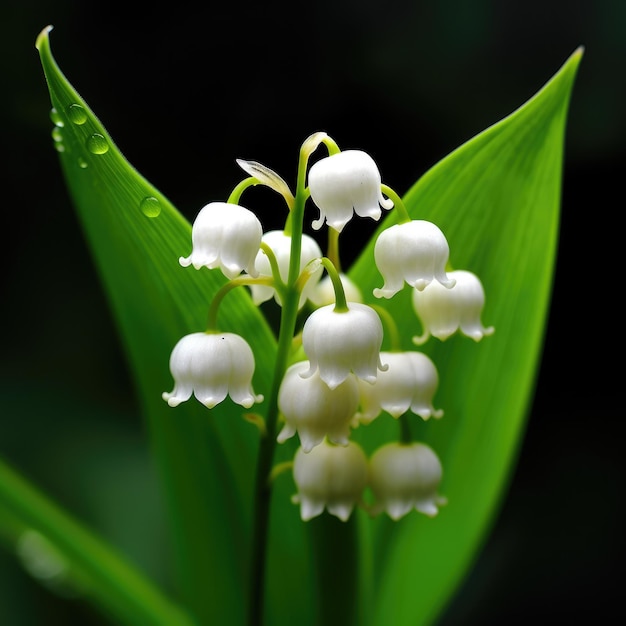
(338, 563)
(227, 288)
(114, 583)
(395, 343)
(331, 145)
(398, 205)
(341, 306)
(278, 283)
(235, 194)
(405, 428)
(333, 248)
(263, 484)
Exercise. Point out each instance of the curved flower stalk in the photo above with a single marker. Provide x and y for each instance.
(211, 366)
(323, 292)
(405, 477)
(280, 244)
(331, 477)
(344, 183)
(314, 410)
(444, 311)
(410, 382)
(227, 236)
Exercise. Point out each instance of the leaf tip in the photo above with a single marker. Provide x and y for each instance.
(43, 35)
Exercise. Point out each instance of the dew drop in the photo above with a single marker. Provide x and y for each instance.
(59, 147)
(56, 118)
(82, 163)
(150, 206)
(39, 556)
(77, 114)
(97, 144)
(57, 135)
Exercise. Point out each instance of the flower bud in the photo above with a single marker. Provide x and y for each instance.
(415, 252)
(405, 477)
(314, 410)
(329, 476)
(340, 342)
(410, 382)
(444, 311)
(227, 236)
(212, 366)
(345, 182)
(280, 243)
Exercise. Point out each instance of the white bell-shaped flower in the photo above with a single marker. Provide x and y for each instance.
(212, 366)
(405, 477)
(324, 292)
(345, 182)
(314, 410)
(410, 382)
(444, 311)
(227, 236)
(340, 342)
(329, 476)
(280, 243)
(415, 252)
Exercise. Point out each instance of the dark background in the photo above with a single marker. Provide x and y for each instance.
(184, 91)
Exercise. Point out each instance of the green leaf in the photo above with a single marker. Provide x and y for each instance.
(84, 563)
(206, 458)
(497, 199)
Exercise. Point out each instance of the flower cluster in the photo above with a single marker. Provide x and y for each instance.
(337, 377)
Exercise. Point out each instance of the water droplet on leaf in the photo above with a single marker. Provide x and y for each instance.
(97, 144)
(56, 118)
(150, 206)
(77, 114)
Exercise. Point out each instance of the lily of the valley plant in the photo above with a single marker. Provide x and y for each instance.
(331, 374)
(343, 465)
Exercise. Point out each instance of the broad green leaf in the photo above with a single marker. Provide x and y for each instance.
(497, 199)
(207, 458)
(49, 540)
